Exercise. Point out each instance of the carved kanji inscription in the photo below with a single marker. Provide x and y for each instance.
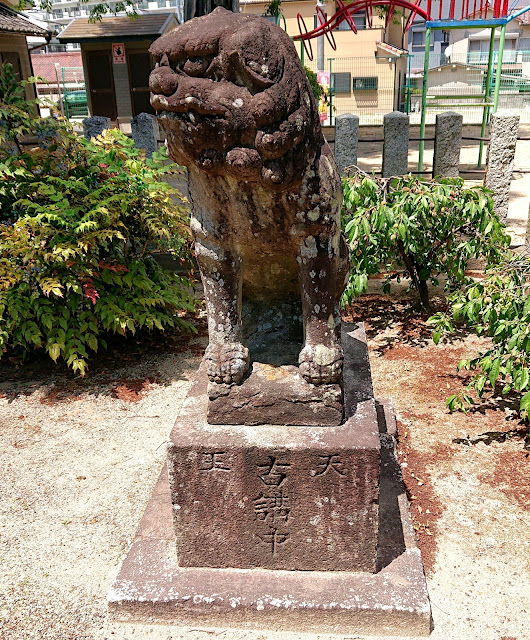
(329, 463)
(213, 461)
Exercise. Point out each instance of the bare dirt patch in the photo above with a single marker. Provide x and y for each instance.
(132, 390)
(511, 476)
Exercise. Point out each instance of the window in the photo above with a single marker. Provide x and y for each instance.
(172, 3)
(418, 38)
(478, 51)
(316, 20)
(359, 19)
(143, 4)
(365, 84)
(341, 82)
(57, 13)
(161, 3)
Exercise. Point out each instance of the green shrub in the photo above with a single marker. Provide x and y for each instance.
(316, 87)
(274, 8)
(497, 306)
(78, 220)
(420, 229)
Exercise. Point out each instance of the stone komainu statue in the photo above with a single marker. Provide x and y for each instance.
(265, 191)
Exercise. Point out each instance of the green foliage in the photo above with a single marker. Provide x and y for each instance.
(316, 87)
(420, 229)
(274, 8)
(78, 220)
(497, 306)
(382, 13)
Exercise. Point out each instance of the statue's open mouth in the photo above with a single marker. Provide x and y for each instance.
(192, 118)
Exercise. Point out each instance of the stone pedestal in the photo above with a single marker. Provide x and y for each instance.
(280, 528)
(501, 153)
(396, 145)
(272, 391)
(95, 125)
(346, 140)
(447, 144)
(145, 132)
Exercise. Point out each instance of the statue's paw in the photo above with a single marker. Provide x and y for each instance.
(227, 363)
(321, 364)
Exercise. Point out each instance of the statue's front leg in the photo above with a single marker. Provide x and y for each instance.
(321, 272)
(227, 357)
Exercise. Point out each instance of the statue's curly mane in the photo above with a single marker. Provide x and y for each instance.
(234, 97)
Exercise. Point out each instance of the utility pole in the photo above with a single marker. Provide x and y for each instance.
(320, 41)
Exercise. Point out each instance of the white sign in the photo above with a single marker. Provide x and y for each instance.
(118, 53)
(323, 78)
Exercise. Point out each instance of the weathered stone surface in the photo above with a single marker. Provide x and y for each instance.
(145, 132)
(447, 144)
(276, 497)
(396, 144)
(346, 140)
(265, 191)
(271, 394)
(501, 153)
(95, 125)
(151, 587)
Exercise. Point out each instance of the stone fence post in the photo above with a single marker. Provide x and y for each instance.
(447, 144)
(346, 140)
(499, 165)
(95, 125)
(396, 144)
(145, 132)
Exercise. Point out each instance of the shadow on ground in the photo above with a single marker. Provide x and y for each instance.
(110, 371)
(380, 312)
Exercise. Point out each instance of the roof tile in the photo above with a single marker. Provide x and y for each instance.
(13, 22)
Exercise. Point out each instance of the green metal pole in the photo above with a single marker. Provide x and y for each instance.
(487, 93)
(499, 69)
(424, 96)
(330, 94)
(302, 52)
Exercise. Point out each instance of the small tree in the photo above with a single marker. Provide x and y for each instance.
(420, 229)
(497, 306)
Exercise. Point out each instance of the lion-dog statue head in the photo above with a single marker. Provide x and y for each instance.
(238, 103)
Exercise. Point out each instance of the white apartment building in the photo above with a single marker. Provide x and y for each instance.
(64, 11)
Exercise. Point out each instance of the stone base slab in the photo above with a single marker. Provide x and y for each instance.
(151, 587)
(271, 391)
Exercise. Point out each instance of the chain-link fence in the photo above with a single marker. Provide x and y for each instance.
(368, 86)
(74, 98)
(458, 82)
(373, 86)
